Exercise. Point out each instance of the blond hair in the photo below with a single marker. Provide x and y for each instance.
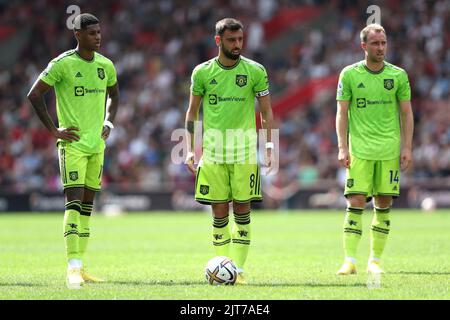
(371, 27)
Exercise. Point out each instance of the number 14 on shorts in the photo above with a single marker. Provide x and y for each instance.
(393, 176)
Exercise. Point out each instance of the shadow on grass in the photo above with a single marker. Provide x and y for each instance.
(256, 284)
(158, 283)
(312, 285)
(431, 273)
(334, 285)
(19, 284)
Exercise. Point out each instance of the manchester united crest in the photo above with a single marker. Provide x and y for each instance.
(350, 183)
(204, 190)
(73, 175)
(388, 83)
(241, 80)
(101, 73)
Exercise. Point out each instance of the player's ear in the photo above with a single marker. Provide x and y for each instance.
(217, 38)
(363, 45)
(76, 33)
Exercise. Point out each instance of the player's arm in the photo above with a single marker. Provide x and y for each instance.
(341, 131)
(111, 109)
(407, 129)
(265, 108)
(36, 97)
(191, 117)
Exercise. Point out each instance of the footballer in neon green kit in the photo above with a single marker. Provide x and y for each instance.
(82, 79)
(374, 124)
(228, 171)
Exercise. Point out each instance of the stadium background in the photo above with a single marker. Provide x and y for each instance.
(156, 44)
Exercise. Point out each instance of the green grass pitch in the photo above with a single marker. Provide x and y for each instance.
(294, 256)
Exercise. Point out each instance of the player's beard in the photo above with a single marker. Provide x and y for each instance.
(377, 58)
(227, 53)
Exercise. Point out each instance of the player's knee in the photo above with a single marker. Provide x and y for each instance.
(356, 201)
(241, 207)
(383, 201)
(220, 210)
(73, 194)
(88, 195)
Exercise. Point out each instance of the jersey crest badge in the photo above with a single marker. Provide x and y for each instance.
(349, 183)
(241, 80)
(204, 189)
(73, 175)
(101, 73)
(388, 83)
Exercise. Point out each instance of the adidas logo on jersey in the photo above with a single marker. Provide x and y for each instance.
(78, 75)
(213, 81)
(361, 85)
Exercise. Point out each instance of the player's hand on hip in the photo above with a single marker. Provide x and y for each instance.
(105, 132)
(67, 134)
(190, 162)
(344, 157)
(405, 158)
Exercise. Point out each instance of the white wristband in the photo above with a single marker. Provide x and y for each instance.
(269, 145)
(108, 124)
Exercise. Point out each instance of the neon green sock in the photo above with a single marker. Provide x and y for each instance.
(352, 231)
(85, 216)
(240, 241)
(221, 236)
(379, 232)
(70, 228)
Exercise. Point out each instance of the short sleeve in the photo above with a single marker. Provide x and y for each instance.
(261, 87)
(344, 90)
(52, 74)
(112, 75)
(404, 89)
(197, 86)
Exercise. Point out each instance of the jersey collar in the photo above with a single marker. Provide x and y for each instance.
(374, 72)
(88, 61)
(230, 67)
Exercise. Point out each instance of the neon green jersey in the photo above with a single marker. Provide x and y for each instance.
(373, 114)
(229, 126)
(81, 88)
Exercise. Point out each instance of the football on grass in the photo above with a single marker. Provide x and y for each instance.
(221, 270)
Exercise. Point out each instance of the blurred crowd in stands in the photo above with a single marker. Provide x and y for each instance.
(156, 44)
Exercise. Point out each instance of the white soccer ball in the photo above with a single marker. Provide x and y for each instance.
(428, 204)
(221, 270)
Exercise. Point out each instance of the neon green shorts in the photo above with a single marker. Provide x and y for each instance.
(373, 177)
(218, 183)
(79, 169)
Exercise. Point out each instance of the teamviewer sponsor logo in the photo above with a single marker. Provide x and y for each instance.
(79, 91)
(212, 99)
(361, 102)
